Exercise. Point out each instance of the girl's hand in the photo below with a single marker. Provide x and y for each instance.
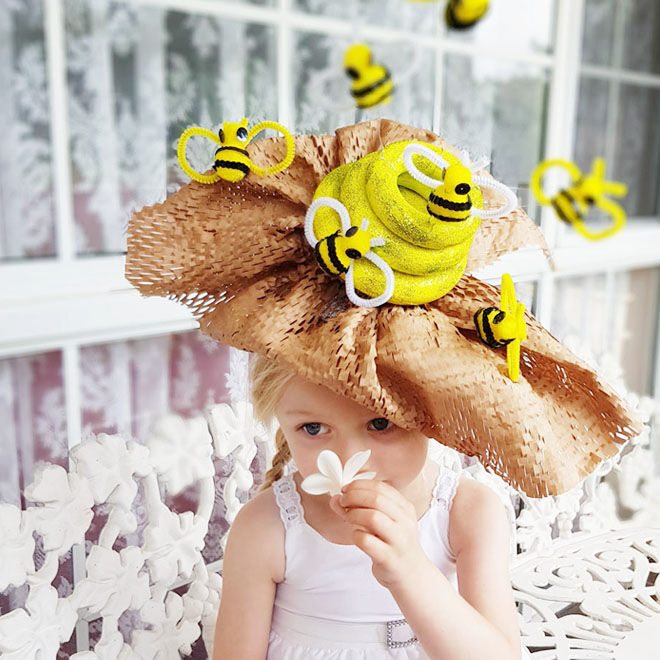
(385, 528)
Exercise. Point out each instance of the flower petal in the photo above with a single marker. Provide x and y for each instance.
(354, 463)
(316, 484)
(329, 465)
(364, 475)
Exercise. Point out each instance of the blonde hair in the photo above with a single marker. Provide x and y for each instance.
(268, 380)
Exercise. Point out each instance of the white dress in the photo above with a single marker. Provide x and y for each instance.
(354, 617)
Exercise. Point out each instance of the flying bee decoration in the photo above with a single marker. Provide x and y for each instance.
(571, 204)
(505, 326)
(364, 78)
(462, 14)
(371, 83)
(415, 229)
(231, 160)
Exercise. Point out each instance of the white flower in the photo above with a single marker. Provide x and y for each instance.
(332, 477)
(108, 463)
(173, 544)
(37, 630)
(67, 507)
(16, 547)
(180, 451)
(114, 583)
(171, 634)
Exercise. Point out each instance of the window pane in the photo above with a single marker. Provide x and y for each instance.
(620, 320)
(526, 293)
(641, 45)
(137, 77)
(322, 89)
(580, 311)
(591, 123)
(598, 32)
(514, 24)
(125, 385)
(27, 227)
(635, 330)
(399, 14)
(496, 108)
(32, 419)
(637, 149)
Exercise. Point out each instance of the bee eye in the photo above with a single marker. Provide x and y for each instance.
(352, 253)
(241, 133)
(462, 189)
(589, 200)
(352, 73)
(351, 231)
(379, 424)
(221, 135)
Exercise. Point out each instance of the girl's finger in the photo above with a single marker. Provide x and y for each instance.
(375, 522)
(372, 546)
(370, 497)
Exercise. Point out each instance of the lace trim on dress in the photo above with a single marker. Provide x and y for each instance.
(445, 487)
(288, 501)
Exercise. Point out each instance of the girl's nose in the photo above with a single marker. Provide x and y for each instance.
(348, 447)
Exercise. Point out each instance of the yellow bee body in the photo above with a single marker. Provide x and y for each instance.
(571, 204)
(569, 207)
(450, 201)
(505, 326)
(462, 14)
(336, 252)
(231, 160)
(372, 83)
(489, 324)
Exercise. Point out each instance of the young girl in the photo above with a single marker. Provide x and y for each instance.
(410, 564)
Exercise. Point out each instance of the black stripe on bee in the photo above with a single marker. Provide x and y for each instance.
(377, 100)
(448, 204)
(363, 91)
(319, 259)
(240, 151)
(483, 325)
(566, 197)
(444, 218)
(332, 253)
(232, 165)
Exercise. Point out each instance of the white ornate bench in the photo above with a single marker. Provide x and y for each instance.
(144, 582)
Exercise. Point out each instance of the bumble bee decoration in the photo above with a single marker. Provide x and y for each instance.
(504, 326)
(371, 82)
(231, 160)
(336, 252)
(420, 228)
(571, 204)
(462, 14)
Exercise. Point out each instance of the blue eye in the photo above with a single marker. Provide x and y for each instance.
(380, 424)
(313, 428)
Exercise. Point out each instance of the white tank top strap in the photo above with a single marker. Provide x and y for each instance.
(288, 501)
(445, 487)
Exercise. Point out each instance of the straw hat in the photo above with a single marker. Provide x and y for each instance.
(235, 253)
